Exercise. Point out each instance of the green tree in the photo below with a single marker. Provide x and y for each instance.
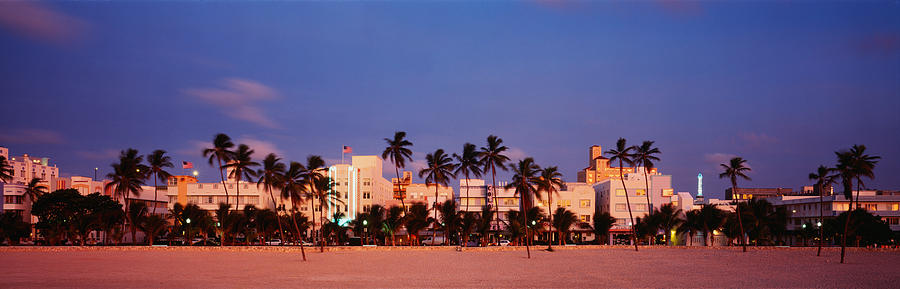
(324, 196)
(485, 219)
(153, 225)
(824, 177)
(467, 164)
(294, 188)
(12, 228)
(493, 157)
(467, 225)
(392, 222)
(438, 172)
(417, 219)
(854, 164)
(669, 218)
(220, 153)
(602, 222)
(137, 211)
(158, 162)
(335, 229)
(398, 152)
(317, 188)
(736, 168)
(711, 218)
(622, 153)
(515, 228)
(693, 223)
(270, 177)
(563, 220)
(374, 222)
(34, 189)
(550, 181)
(128, 175)
(645, 156)
(241, 166)
(450, 219)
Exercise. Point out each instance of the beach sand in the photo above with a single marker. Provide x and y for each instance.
(381, 267)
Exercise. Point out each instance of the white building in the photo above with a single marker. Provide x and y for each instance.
(25, 168)
(611, 197)
(805, 209)
(185, 189)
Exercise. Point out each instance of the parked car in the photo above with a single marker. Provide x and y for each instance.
(504, 243)
(205, 243)
(273, 242)
(307, 244)
(437, 241)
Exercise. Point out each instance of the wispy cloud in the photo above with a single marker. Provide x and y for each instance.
(752, 139)
(108, 154)
(239, 99)
(40, 22)
(516, 154)
(261, 148)
(30, 136)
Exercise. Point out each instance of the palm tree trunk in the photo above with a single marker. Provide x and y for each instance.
(155, 192)
(237, 201)
(737, 209)
(222, 175)
(821, 217)
(400, 189)
(467, 192)
(628, 203)
(550, 212)
(647, 193)
(434, 207)
(847, 224)
(297, 229)
(278, 217)
(496, 204)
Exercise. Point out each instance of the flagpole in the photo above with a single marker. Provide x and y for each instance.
(342, 155)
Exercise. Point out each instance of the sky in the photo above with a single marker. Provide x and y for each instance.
(782, 84)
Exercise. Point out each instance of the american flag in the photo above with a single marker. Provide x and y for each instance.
(347, 150)
(187, 165)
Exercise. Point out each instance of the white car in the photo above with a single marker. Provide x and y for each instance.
(437, 241)
(504, 243)
(273, 242)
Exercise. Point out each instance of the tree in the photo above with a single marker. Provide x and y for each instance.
(467, 225)
(492, 157)
(335, 228)
(622, 153)
(128, 175)
(467, 164)
(317, 188)
(293, 188)
(324, 196)
(711, 218)
(824, 177)
(220, 153)
(137, 211)
(392, 222)
(270, 177)
(692, 224)
(450, 219)
(523, 181)
(375, 221)
(438, 172)
(669, 218)
(563, 220)
(736, 168)
(34, 189)
(853, 164)
(762, 221)
(515, 228)
(12, 228)
(398, 153)
(416, 220)
(646, 227)
(158, 162)
(153, 225)
(484, 223)
(602, 222)
(645, 155)
(266, 223)
(241, 166)
(550, 181)
(6, 170)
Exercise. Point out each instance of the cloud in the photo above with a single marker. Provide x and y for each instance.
(718, 158)
(516, 154)
(261, 148)
(756, 139)
(39, 22)
(109, 154)
(30, 136)
(239, 99)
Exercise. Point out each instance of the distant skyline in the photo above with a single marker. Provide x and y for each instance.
(781, 84)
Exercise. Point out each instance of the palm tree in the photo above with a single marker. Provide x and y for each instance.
(736, 168)
(270, 176)
(691, 225)
(484, 223)
(6, 170)
(137, 211)
(220, 152)
(550, 181)
(416, 220)
(711, 218)
(241, 166)
(467, 164)
(392, 222)
(824, 177)
(853, 164)
(324, 196)
(128, 175)
(523, 181)
(375, 221)
(563, 220)
(668, 217)
(312, 174)
(645, 155)
(398, 153)
(450, 219)
(158, 162)
(467, 224)
(294, 187)
(492, 157)
(622, 153)
(439, 170)
(153, 225)
(35, 189)
(603, 221)
(221, 215)
(515, 228)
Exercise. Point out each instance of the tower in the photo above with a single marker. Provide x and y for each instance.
(699, 199)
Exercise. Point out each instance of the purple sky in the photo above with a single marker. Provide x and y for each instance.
(782, 84)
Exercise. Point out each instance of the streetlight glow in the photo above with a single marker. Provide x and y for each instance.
(188, 220)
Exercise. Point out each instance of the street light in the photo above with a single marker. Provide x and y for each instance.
(196, 173)
(188, 220)
(95, 174)
(804, 226)
(365, 222)
(819, 224)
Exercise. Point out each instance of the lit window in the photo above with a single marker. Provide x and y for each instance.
(895, 207)
(620, 192)
(585, 203)
(585, 218)
(667, 192)
(640, 192)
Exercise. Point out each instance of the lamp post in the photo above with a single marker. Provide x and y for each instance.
(95, 174)
(366, 231)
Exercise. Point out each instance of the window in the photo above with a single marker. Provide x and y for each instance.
(565, 203)
(841, 206)
(367, 195)
(545, 203)
(640, 207)
(667, 192)
(209, 200)
(585, 218)
(871, 207)
(620, 207)
(620, 192)
(892, 220)
(199, 186)
(895, 207)
(585, 203)
(640, 192)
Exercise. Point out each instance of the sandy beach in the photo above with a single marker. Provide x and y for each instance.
(604, 267)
